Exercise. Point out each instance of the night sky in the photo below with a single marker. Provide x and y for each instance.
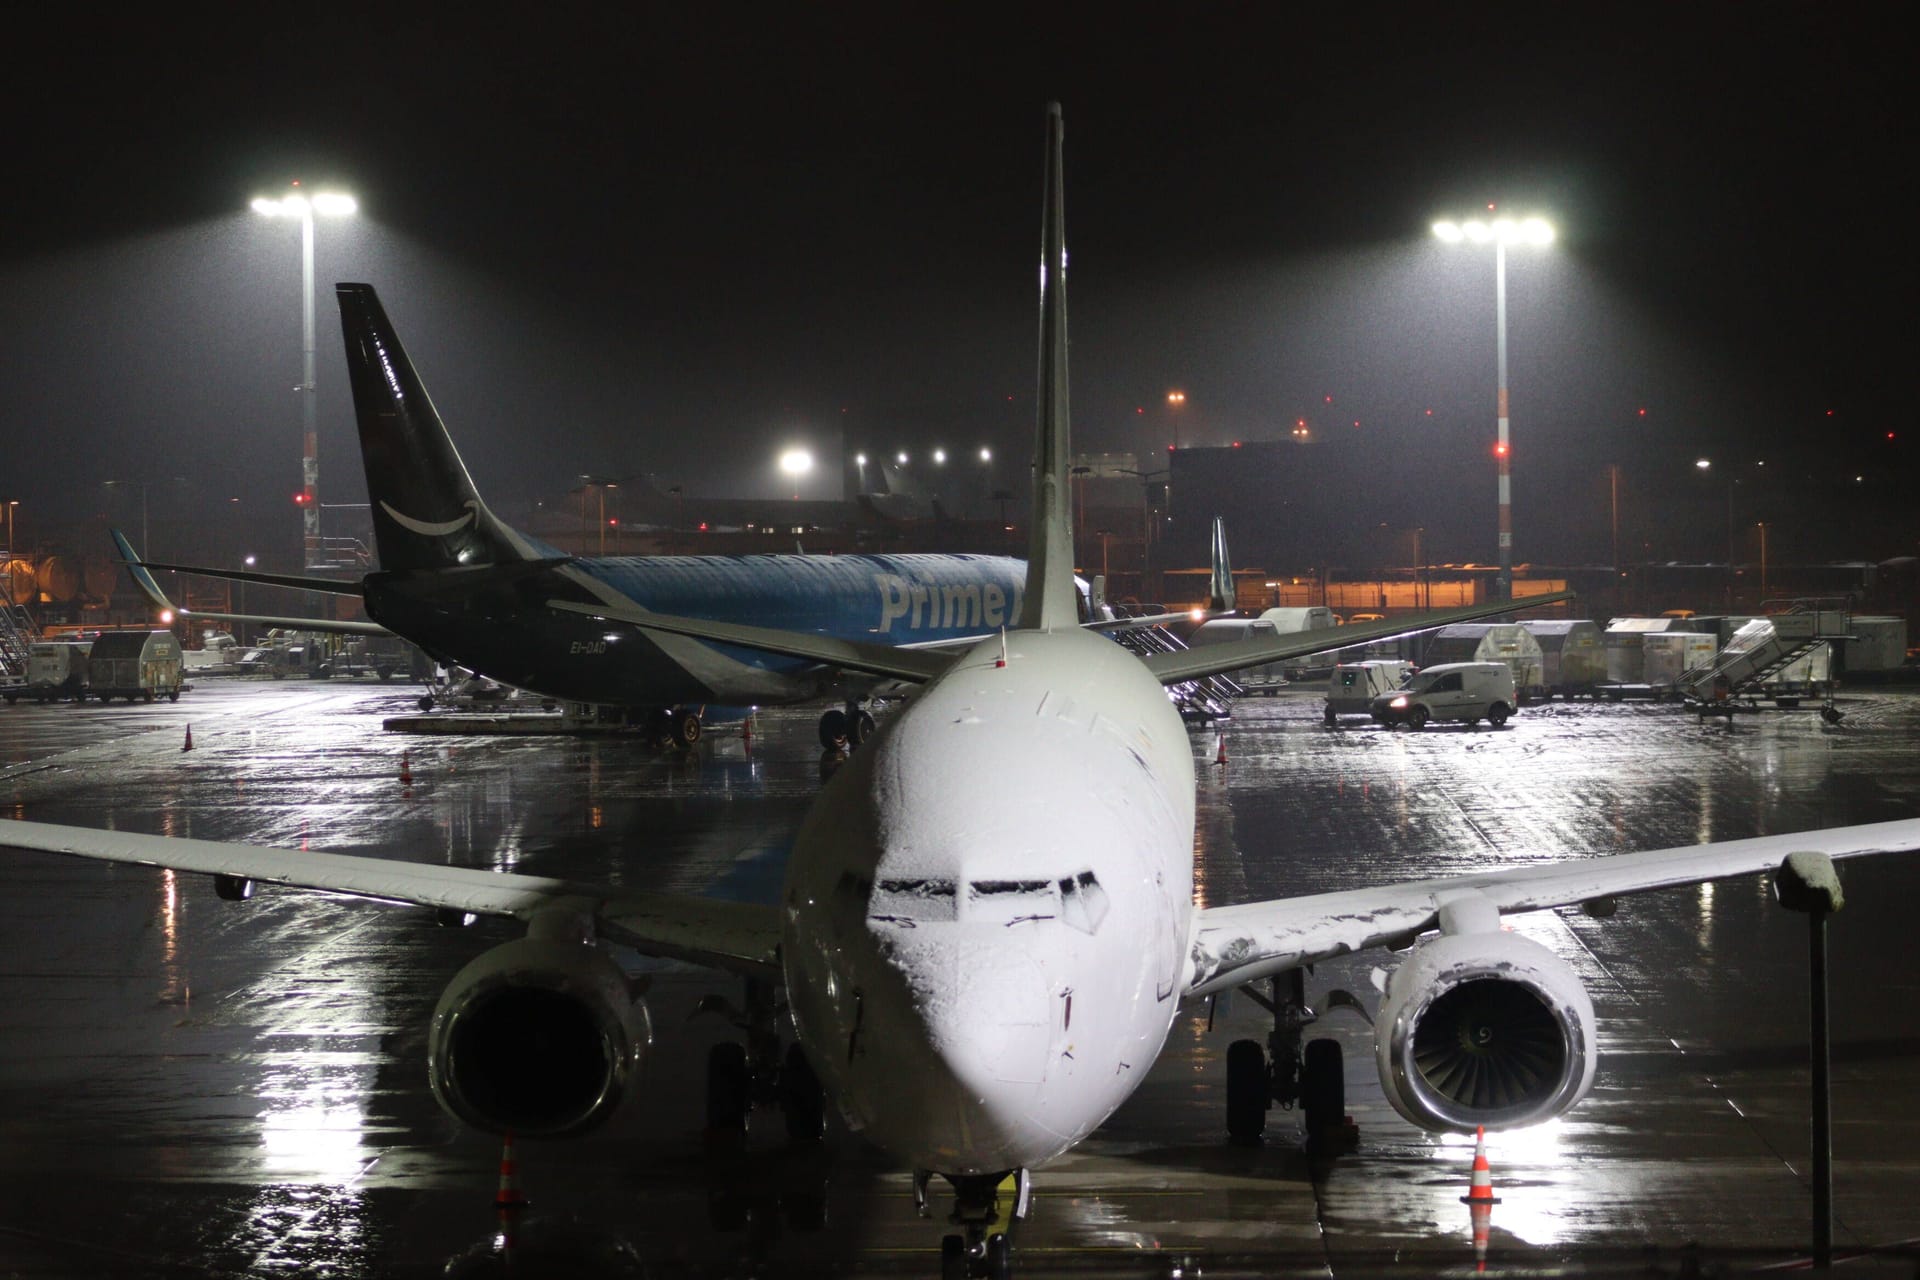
(637, 240)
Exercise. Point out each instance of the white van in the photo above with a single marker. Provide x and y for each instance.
(1469, 691)
(1353, 686)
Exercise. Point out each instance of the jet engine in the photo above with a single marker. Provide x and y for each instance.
(541, 1037)
(1484, 1028)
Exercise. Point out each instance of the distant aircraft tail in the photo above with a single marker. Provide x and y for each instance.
(426, 512)
(1220, 592)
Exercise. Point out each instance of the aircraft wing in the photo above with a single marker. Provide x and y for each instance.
(897, 662)
(1234, 945)
(736, 936)
(140, 571)
(1222, 659)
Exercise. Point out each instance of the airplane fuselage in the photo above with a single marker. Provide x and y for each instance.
(987, 909)
(493, 619)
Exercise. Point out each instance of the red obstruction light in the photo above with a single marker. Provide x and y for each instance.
(1500, 451)
(301, 499)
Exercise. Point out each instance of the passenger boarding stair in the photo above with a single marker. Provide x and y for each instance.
(1743, 667)
(16, 635)
(1198, 700)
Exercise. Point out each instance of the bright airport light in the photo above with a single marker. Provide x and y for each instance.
(986, 455)
(939, 456)
(796, 462)
(1533, 231)
(330, 204)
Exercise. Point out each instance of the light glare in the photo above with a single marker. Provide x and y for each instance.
(796, 462)
(334, 203)
(1477, 231)
(1449, 231)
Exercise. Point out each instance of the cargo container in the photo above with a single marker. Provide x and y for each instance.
(1626, 662)
(1876, 646)
(1669, 655)
(134, 664)
(57, 670)
(1573, 655)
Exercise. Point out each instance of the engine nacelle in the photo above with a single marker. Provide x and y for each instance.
(1485, 1028)
(541, 1037)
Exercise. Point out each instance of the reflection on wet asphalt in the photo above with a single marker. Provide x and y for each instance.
(189, 1086)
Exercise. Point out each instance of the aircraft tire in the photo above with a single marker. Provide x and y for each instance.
(802, 1103)
(834, 735)
(1323, 1089)
(999, 1257)
(686, 730)
(863, 726)
(729, 1096)
(1247, 1091)
(953, 1258)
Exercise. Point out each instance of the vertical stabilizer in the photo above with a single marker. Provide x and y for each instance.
(1051, 599)
(426, 512)
(1220, 591)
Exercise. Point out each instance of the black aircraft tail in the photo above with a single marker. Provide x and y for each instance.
(426, 513)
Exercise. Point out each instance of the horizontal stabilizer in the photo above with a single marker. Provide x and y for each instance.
(916, 665)
(1222, 659)
(138, 570)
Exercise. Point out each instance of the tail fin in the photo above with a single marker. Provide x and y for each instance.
(138, 572)
(426, 512)
(1051, 599)
(1220, 592)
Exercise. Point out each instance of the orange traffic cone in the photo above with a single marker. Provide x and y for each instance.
(406, 770)
(188, 746)
(508, 1198)
(1220, 756)
(1480, 1198)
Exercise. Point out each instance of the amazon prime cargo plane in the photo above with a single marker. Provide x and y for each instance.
(977, 988)
(469, 589)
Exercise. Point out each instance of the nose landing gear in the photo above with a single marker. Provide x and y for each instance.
(987, 1206)
(1312, 1078)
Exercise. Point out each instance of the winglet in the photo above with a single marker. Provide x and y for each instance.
(1051, 599)
(1220, 592)
(138, 572)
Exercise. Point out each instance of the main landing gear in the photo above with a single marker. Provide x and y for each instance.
(986, 1206)
(679, 728)
(759, 1072)
(845, 728)
(1313, 1079)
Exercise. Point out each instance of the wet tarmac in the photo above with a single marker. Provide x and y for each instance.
(197, 1087)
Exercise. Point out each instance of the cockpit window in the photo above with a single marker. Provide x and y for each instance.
(924, 901)
(1083, 903)
(1011, 901)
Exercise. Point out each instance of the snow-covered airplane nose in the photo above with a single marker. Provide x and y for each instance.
(967, 1049)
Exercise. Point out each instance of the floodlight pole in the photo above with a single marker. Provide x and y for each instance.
(309, 408)
(1503, 585)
